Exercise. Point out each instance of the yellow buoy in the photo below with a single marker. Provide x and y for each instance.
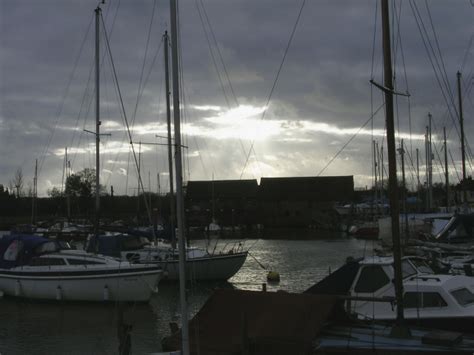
(273, 276)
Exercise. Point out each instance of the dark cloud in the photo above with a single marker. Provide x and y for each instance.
(325, 79)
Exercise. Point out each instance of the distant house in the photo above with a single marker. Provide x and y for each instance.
(302, 201)
(227, 202)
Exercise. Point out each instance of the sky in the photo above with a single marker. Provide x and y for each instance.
(270, 88)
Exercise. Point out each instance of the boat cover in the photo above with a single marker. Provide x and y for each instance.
(459, 229)
(337, 283)
(112, 245)
(18, 249)
(260, 322)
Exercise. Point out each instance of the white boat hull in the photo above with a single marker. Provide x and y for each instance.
(135, 284)
(216, 267)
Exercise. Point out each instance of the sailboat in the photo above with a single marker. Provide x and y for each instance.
(38, 268)
(200, 264)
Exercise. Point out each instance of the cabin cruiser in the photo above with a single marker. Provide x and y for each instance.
(38, 268)
(435, 300)
(200, 264)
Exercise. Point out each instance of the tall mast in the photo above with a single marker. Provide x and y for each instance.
(170, 147)
(179, 179)
(138, 180)
(404, 195)
(97, 117)
(418, 178)
(463, 151)
(392, 168)
(68, 199)
(446, 172)
(430, 163)
(35, 194)
(376, 187)
(382, 194)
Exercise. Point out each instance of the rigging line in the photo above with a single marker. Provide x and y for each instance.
(440, 62)
(182, 108)
(242, 147)
(212, 55)
(128, 168)
(125, 115)
(81, 108)
(144, 63)
(63, 99)
(140, 95)
(123, 136)
(219, 52)
(413, 167)
(350, 140)
(374, 40)
(402, 53)
(467, 52)
(454, 165)
(290, 40)
(444, 77)
(448, 105)
(439, 50)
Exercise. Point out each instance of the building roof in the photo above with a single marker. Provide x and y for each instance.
(216, 189)
(323, 189)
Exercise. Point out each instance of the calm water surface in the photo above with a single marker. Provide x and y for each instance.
(28, 327)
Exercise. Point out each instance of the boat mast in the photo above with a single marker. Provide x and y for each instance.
(170, 147)
(463, 151)
(404, 193)
(418, 179)
(35, 194)
(446, 172)
(376, 187)
(97, 117)
(430, 164)
(398, 329)
(179, 179)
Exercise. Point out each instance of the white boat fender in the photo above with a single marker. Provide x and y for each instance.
(273, 276)
(59, 293)
(106, 293)
(17, 288)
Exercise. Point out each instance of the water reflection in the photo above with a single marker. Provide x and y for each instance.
(28, 327)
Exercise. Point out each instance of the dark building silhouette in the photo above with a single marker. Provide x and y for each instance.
(303, 201)
(229, 202)
(277, 202)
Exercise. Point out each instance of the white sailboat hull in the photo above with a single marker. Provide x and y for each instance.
(133, 284)
(216, 267)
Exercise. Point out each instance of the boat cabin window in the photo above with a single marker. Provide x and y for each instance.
(423, 300)
(407, 269)
(48, 247)
(46, 261)
(82, 262)
(463, 296)
(372, 278)
(422, 266)
(13, 250)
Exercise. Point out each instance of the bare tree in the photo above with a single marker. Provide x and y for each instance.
(18, 182)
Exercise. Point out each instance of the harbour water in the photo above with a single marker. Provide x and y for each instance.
(28, 327)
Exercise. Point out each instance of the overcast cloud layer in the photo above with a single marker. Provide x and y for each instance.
(322, 97)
